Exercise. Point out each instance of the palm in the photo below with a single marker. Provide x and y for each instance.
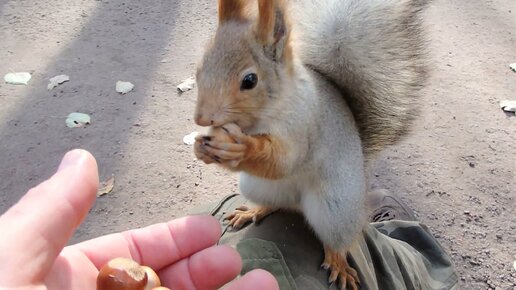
(74, 271)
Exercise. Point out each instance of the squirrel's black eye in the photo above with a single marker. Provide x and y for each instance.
(249, 82)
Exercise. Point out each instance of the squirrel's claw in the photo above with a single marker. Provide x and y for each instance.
(203, 155)
(226, 151)
(340, 269)
(239, 218)
(243, 215)
(226, 146)
(230, 151)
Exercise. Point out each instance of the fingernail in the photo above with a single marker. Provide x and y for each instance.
(70, 159)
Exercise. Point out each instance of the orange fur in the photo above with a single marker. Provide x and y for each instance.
(289, 54)
(266, 21)
(266, 24)
(340, 268)
(231, 10)
(244, 215)
(264, 157)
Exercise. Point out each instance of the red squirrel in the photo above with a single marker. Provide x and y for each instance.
(299, 95)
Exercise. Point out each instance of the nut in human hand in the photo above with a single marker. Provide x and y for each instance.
(126, 274)
(153, 281)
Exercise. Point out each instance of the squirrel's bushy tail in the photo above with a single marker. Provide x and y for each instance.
(373, 50)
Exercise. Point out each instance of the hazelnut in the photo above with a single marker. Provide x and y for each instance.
(126, 274)
(220, 134)
(152, 279)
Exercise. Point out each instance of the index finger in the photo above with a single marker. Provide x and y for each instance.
(155, 246)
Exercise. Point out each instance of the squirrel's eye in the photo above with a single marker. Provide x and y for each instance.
(249, 82)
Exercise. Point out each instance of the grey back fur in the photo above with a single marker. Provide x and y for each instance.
(374, 54)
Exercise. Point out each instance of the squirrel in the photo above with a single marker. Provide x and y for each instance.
(299, 96)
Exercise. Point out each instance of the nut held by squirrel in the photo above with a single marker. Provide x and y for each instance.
(126, 274)
(220, 134)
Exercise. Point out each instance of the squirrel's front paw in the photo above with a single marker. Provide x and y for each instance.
(226, 145)
(200, 150)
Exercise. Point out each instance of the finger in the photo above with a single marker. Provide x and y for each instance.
(242, 221)
(235, 132)
(232, 129)
(201, 138)
(234, 219)
(229, 217)
(255, 280)
(209, 160)
(209, 269)
(156, 246)
(201, 154)
(227, 146)
(224, 155)
(231, 163)
(43, 220)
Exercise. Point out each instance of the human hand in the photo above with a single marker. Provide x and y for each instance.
(35, 230)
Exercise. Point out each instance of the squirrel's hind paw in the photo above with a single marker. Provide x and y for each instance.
(340, 270)
(243, 215)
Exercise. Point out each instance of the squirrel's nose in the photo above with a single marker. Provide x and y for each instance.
(203, 121)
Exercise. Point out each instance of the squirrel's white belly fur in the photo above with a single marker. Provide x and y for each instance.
(330, 193)
(281, 193)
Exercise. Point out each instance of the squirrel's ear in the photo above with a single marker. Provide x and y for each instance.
(231, 10)
(272, 30)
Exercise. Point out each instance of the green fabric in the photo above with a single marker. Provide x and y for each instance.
(392, 255)
(260, 254)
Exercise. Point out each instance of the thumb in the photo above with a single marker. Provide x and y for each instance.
(36, 229)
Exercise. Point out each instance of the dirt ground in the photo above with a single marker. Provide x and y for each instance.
(456, 170)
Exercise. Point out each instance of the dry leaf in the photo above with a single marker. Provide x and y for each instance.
(106, 186)
(124, 87)
(76, 120)
(190, 138)
(186, 85)
(18, 78)
(508, 106)
(57, 80)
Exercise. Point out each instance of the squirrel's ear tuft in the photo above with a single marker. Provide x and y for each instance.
(272, 30)
(266, 21)
(231, 10)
